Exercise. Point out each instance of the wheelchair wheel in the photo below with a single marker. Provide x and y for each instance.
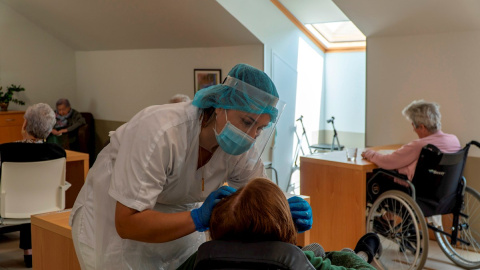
(466, 256)
(402, 230)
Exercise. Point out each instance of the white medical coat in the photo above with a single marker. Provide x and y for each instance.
(151, 163)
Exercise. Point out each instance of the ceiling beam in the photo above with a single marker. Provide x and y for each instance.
(307, 32)
(299, 25)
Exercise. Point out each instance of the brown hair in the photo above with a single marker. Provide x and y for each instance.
(257, 212)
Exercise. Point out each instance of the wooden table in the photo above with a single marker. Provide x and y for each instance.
(337, 190)
(52, 242)
(76, 171)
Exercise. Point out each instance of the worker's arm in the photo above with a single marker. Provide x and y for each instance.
(152, 226)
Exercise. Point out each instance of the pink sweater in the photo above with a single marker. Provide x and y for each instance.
(405, 158)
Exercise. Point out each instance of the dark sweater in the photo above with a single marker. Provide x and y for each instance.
(30, 152)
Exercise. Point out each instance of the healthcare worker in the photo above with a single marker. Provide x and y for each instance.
(141, 206)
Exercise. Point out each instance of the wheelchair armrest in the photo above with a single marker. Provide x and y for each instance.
(390, 173)
(397, 175)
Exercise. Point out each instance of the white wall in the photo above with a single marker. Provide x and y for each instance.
(44, 66)
(443, 67)
(345, 91)
(114, 85)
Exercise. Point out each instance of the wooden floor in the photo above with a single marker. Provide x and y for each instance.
(11, 256)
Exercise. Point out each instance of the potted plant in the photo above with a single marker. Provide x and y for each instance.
(7, 97)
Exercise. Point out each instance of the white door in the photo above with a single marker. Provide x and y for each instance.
(285, 78)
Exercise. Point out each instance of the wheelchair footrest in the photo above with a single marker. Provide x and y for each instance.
(435, 229)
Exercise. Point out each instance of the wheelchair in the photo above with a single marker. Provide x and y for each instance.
(437, 188)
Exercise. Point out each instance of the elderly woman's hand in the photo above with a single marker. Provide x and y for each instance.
(368, 154)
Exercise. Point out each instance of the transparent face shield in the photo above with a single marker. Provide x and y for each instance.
(250, 123)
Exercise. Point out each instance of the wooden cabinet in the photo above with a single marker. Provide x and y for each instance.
(11, 126)
(52, 242)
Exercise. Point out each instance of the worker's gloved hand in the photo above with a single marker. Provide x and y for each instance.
(201, 216)
(301, 213)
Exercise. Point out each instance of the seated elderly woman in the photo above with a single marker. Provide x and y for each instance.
(68, 120)
(425, 118)
(38, 122)
(260, 212)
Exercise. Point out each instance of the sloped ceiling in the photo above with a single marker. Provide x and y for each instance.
(377, 18)
(88, 25)
(314, 11)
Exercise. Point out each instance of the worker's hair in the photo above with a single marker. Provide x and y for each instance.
(421, 112)
(257, 212)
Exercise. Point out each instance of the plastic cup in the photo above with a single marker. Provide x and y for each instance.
(351, 154)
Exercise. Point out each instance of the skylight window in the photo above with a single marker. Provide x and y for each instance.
(339, 31)
(337, 34)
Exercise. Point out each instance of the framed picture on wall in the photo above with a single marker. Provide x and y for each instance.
(206, 77)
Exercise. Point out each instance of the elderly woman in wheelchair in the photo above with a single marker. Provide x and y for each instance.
(426, 122)
(253, 229)
(423, 179)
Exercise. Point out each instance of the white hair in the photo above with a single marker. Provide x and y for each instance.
(421, 112)
(179, 98)
(40, 120)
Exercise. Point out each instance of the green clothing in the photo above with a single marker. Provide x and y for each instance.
(338, 260)
(335, 260)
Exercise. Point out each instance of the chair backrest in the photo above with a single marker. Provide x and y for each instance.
(437, 179)
(259, 255)
(29, 188)
(86, 136)
(27, 152)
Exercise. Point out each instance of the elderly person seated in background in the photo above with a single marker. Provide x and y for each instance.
(68, 120)
(260, 212)
(179, 98)
(38, 122)
(425, 118)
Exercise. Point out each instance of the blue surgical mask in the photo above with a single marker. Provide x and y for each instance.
(232, 140)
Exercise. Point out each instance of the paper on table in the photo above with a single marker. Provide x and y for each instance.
(386, 151)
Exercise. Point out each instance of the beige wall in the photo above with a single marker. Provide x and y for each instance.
(114, 85)
(471, 173)
(444, 68)
(29, 56)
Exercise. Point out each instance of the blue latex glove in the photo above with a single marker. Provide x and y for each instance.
(301, 213)
(201, 216)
